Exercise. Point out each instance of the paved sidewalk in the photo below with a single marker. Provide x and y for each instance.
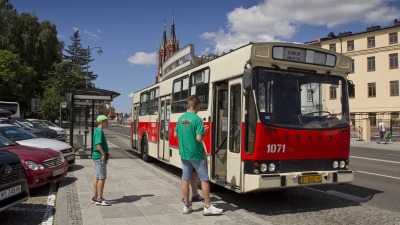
(375, 145)
(140, 194)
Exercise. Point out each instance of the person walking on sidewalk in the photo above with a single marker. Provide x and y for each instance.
(190, 133)
(100, 157)
(382, 131)
(195, 190)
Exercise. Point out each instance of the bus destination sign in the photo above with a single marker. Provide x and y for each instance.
(304, 56)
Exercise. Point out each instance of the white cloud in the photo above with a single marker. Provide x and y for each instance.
(205, 51)
(274, 20)
(143, 58)
(75, 28)
(91, 34)
(99, 31)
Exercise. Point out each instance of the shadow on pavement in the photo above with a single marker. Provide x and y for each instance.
(67, 181)
(74, 168)
(362, 194)
(128, 199)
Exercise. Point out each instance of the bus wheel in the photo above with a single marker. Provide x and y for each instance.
(145, 150)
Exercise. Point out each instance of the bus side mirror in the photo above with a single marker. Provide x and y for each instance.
(247, 79)
(350, 88)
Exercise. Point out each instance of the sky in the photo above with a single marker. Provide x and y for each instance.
(129, 32)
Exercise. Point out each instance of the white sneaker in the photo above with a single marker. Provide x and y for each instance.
(102, 202)
(212, 210)
(187, 210)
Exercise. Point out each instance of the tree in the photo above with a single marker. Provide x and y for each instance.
(16, 80)
(79, 58)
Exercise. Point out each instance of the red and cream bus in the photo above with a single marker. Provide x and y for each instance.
(278, 115)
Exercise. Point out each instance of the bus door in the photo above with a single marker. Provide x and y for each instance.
(221, 132)
(233, 176)
(164, 117)
(135, 118)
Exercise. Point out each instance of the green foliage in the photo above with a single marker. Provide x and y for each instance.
(16, 79)
(79, 58)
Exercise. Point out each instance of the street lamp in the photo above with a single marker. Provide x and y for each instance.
(89, 50)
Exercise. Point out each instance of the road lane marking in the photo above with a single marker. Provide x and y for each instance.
(111, 145)
(48, 217)
(379, 160)
(381, 175)
(119, 133)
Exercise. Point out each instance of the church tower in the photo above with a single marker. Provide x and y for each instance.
(167, 48)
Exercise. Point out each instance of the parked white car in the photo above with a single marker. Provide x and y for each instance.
(25, 138)
(61, 134)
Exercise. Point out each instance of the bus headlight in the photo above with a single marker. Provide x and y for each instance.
(342, 164)
(335, 164)
(263, 167)
(271, 167)
(256, 171)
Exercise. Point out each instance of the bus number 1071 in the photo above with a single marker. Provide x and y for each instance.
(276, 148)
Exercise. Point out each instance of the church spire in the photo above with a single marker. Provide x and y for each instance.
(164, 36)
(172, 35)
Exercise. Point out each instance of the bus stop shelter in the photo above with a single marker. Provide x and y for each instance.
(89, 99)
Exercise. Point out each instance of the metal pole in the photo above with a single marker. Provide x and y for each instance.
(60, 116)
(71, 126)
(92, 123)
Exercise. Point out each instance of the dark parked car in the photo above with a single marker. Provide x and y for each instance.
(13, 185)
(34, 128)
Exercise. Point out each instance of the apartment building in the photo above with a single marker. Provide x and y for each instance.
(376, 74)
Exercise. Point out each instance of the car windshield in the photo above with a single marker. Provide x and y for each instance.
(4, 142)
(38, 125)
(15, 133)
(301, 100)
(21, 125)
(48, 123)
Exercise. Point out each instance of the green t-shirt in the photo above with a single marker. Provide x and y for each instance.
(99, 138)
(188, 127)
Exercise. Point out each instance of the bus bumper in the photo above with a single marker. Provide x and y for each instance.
(259, 182)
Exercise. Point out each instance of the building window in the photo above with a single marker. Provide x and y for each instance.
(394, 88)
(353, 93)
(332, 47)
(153, 101)
(350, 46)
(332, 93)
(393, 38)
(372, 119)
(371, 63)
(371, 42)
(352, 66)
(199, 85)
(143, 104)
(372, 90)
(393, 61)
(180, 94)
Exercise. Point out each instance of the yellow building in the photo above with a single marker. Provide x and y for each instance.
(376, 73)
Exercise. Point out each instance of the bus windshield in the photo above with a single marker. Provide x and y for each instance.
(301, 100)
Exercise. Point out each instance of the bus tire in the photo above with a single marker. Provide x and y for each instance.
(145, 150)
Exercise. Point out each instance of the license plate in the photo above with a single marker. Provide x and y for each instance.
(310, 179)
(71, 157)
(10, 192)
(57, 172)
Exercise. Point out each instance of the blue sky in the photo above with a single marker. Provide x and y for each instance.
(129, 32)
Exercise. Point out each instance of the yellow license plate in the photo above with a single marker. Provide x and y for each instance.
(310, 179)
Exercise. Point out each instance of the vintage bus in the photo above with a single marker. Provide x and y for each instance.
(278, 115)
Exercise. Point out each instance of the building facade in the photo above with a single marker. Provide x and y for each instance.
(375, 72)
(167, 48)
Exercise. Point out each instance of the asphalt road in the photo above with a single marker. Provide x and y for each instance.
(376, 182)
(377, 179)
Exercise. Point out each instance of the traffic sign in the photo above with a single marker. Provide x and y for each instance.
(63, 105)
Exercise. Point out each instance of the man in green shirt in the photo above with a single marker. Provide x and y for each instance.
(190, 132)
(100, 158)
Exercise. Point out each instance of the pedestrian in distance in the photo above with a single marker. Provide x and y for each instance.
(100, 157)
(382, 131)
(190, 132)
